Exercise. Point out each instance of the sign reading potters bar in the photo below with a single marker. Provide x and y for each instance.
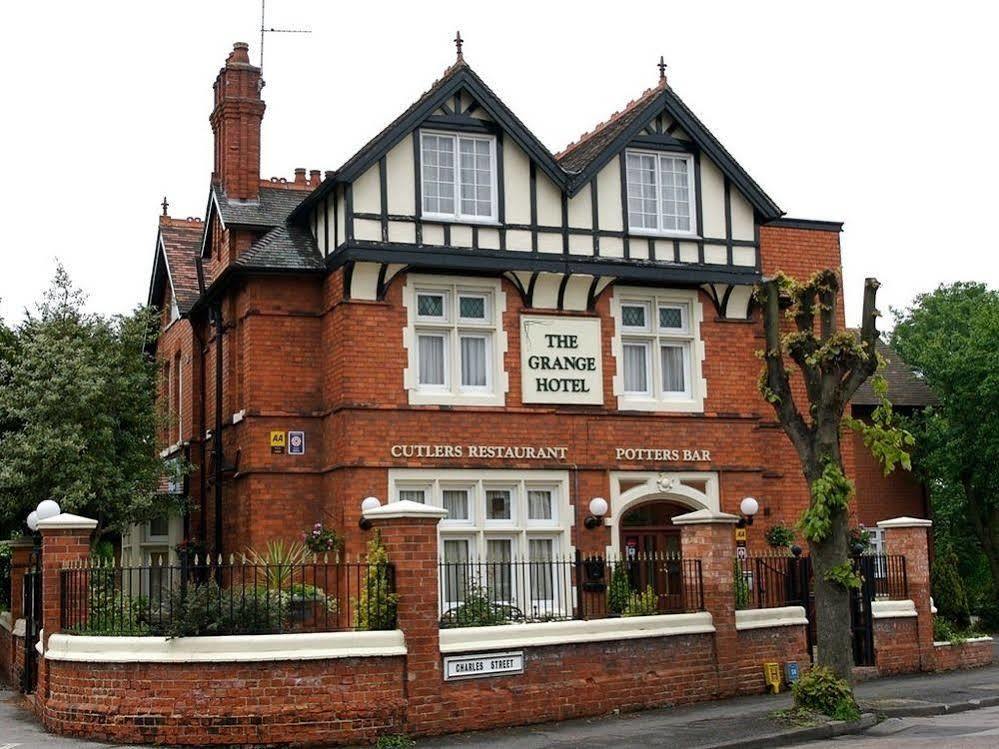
(484, 664)
(560, 360)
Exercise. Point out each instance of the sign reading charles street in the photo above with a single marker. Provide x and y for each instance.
(477, 665)
(560, 360)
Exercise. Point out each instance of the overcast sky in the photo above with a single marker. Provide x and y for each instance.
(882, 115)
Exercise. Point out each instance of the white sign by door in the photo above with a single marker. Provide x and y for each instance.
(475, 665)
(560, 360)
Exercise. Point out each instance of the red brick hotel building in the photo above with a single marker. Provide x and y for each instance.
(460, 317)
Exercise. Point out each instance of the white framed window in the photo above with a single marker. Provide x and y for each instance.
(507, 532)
(661, 193)
(658, 350)
(458, 176)
(456, 341)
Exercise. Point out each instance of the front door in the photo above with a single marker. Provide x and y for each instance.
(652, 549)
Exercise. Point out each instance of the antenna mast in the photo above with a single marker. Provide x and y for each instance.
(264, 30)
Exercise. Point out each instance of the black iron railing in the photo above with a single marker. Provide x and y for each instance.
(489, 592)
(770, 581)
(205, 598)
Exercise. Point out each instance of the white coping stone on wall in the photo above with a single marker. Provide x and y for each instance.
(785, 616)
(893, 609)
(405, 508)
(20, 627)
(905, 522)
(5, 621)
(502, 637)
(946, 643)
(67, 521)
(289, 647)
(705, 517)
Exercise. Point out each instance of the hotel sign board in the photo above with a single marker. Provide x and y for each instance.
(560, 360)
(477, 665)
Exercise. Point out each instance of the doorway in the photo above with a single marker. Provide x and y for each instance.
(651, 548)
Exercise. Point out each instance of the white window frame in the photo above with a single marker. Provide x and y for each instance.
(454, 328)
(659, 230)
(457, 215)
(655, 337)
(478, 530)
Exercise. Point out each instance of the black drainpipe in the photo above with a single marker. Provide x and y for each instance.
(217, 435)
(203, 445)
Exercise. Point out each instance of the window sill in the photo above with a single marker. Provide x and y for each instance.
(652, 234)
(418, 398)
(693, 405)
(444, 219)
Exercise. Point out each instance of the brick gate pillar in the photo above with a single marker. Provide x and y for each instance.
(409, 533)
(709, 536)
(65, 540)
(910, 538)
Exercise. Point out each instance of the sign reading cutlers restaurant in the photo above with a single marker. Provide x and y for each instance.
(560, 360)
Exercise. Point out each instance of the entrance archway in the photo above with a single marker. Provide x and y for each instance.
(651, 549)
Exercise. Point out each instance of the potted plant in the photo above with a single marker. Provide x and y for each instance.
(321, 540)
(779, 536)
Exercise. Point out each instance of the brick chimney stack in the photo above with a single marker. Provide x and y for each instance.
(236, 125)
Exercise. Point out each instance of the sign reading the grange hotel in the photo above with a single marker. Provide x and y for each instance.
(560, 360)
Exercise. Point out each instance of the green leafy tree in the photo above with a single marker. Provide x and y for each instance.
(833, 364)
(951, 337)
(949, 594)
(77, 413)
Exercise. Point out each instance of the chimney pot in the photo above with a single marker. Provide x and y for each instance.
(240, 54)
(314, 177)
(300, 175)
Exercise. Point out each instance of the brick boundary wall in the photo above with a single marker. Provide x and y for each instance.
(335, 701)
(6, 656)
(971, 654)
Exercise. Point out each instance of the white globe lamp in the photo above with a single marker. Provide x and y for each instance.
(370, 503)
(47, 508)
(749, 507)
(598, 508)
(33, 520)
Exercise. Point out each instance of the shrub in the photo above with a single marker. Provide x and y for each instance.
(949, 594)
(478, 610)
(820, 690)
(779, 536)
(643, 604)
(203, 610)
(375, 609)
(394, 741)
(860, 541)
(988, 613)
(741, 587)
(619, 590)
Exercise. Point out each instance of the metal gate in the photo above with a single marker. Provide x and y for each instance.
(861, 620)
(32, 620)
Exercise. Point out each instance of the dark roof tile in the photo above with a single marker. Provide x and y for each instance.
(906, 389)
(181, 242)
(285, 248)
(270, 210)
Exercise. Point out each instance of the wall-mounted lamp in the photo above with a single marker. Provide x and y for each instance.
(748, 508)
(368, 504)
(598, 508)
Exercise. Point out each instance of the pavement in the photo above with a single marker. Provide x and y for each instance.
(928, 699)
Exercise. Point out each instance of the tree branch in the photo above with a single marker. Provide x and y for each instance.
(868, 340)
(781, 397)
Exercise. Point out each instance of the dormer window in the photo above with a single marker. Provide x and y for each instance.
(660, 193)
(458, 177)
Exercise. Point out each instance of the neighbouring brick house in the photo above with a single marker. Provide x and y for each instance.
(460, 317)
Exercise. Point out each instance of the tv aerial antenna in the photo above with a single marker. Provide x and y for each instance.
(272, 30)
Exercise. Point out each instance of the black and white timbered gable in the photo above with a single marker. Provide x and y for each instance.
(458, 183)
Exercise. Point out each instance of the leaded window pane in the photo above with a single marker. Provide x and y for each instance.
(472, 307)
(671, 317)
(633, 316)
(641, 179)
(430, 305)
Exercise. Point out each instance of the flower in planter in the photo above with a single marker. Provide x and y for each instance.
(320, 539)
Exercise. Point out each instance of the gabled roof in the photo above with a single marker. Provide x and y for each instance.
(459, 76)
(906, 389)
(272, 208)
(587, 156)
(177, 244)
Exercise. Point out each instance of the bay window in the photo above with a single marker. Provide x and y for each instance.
(458, 176)
(660, 193)
(506, 535)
